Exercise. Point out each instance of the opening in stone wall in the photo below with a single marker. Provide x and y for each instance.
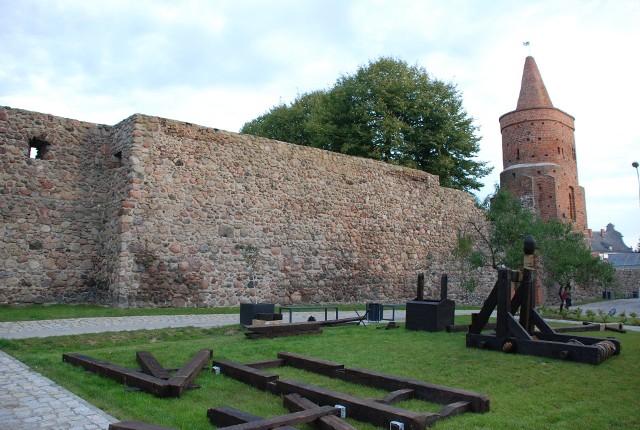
(37, 148)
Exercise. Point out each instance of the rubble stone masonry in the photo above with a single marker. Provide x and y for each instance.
(156, 212)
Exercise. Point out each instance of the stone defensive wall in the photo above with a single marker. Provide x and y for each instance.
(156, 212)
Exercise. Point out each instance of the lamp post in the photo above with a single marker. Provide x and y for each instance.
(635, 164)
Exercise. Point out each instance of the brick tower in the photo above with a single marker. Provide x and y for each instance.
(539, 154)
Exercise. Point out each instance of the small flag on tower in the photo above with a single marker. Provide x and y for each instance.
(525, 43)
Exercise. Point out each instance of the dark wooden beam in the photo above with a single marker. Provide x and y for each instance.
(254, 377)
(454, 409)
(480, 319)
(151, 366)
(295, 403)
(224, 416)
(311, 364)
(360, 409)
(292, 419)
(157, 387)
(181, 380)
(266, 364)
(397, 396)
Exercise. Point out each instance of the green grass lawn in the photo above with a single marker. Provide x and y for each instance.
(526, 392)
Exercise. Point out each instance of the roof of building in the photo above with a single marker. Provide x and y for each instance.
(609, 240)
(627, 260)
(533, 93)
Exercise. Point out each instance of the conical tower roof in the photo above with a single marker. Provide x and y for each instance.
(533, 93)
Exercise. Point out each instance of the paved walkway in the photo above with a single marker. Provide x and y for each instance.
(30, 401)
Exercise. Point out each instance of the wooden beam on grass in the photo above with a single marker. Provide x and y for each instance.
(292, 419)
(295, 403)
(156, 386)
(181, 380)
(223, 416)
(151, 366)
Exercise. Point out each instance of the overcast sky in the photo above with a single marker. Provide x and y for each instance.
(222, 63)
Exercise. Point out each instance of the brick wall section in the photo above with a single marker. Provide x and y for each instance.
(155, 212)
(539, 161)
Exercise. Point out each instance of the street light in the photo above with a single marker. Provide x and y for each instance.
(635, 164)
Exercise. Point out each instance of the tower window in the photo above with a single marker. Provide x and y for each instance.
(37, 148)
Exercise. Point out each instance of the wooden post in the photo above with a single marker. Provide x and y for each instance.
(420, 296)
(503, 302)
(443, 287)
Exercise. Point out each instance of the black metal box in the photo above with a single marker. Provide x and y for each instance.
(249, 311)
(430, 315)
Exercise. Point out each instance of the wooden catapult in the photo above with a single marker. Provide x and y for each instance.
(530, 334)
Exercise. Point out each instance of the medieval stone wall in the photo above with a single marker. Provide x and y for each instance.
(52, 208)
(155, 212)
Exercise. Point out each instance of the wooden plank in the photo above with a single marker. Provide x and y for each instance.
(360, 409)
(224, 416)
(157, 387)
(397, 396)
(539, 322)
(281, 334)
(423, 390)
(503, 302)
(454, 409)
(151, 366)
(188, 372)
(295, 403)
(294, 418)
(342, 321)
(516, 329)
(266, 364)
(254, 377)
(481, 318)
(137, 425)
(278, 328)
(311, 364)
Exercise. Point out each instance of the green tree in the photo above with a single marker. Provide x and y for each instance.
(563, 254)
(387, 111)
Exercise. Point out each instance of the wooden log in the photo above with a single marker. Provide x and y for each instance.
(254, 377)
(157, 387)
(137, 425)
(224, 416)
(360, 409)
(294, 418)
(181, 380)
(311, 364)
(295, 403)
(151, 366)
